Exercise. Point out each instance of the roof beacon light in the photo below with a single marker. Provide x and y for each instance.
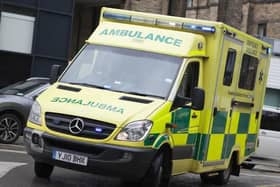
(138, 19)
(200, 28)
(171, 24)
(121, 17)
(159, 22)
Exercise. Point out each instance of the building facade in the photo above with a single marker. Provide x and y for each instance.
(256, 17)
(35, 34)
(272, 97)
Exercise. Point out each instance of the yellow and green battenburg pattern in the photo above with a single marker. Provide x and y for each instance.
(228, 130)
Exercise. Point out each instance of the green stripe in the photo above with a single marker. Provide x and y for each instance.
(201, 146)
(160, 140)
(219, 123)
(229, 142)
(181, 118)
(243, 123)
(150, 139)
(191, 138)
(250, 144)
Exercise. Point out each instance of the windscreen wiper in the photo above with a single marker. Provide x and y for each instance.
(145, 95)
(87, 85)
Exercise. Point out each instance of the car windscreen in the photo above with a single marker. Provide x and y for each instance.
(270, 121)
(124, 70)
(23, 87)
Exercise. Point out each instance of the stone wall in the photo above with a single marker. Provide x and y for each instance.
(203, 9)
(265, 13)
(245, 17)
(230, 12)
(152, 6)
(241, 14)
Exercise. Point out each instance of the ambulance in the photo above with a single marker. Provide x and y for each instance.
(152, 96)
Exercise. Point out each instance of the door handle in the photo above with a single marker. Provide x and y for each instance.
(241, 104)
(194, 115)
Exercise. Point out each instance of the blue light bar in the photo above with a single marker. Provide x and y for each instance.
(159, 22)
(137, 19)
(200, 28)
(120, 17)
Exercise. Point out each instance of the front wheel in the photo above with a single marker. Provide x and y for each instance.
(43, 170)
(160, 172)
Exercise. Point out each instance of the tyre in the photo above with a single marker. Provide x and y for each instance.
(10, 128)
(160, 172)
(223, 176)
(43, 170)
(206, 178)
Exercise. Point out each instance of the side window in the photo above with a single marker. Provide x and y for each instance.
(248, 72)
(231, 56)
(190, 80)
(270, 121)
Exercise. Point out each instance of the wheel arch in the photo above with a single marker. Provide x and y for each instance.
(235, 158)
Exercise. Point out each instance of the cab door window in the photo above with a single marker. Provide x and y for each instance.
(190, 80)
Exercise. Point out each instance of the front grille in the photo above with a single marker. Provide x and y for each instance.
(60, 123)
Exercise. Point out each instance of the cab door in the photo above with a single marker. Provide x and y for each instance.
(184, 118)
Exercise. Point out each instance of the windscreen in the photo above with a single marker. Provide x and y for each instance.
(124, 70)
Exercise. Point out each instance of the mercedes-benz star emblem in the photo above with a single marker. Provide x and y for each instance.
(76, 126)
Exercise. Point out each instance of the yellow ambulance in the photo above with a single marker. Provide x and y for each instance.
(152, 96)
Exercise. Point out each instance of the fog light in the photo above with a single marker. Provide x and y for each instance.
(36, 139)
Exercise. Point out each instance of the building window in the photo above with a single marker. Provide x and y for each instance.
(229, 67)
(189, 3)
(262, 29)
(248, 72)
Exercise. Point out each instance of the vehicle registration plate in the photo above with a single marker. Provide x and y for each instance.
(70, 158)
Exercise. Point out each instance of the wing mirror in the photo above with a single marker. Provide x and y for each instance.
(198, 99)
(55, 71)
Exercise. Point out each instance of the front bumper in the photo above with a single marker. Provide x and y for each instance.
(103, 159)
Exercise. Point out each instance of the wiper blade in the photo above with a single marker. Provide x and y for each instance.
(87, 85)
(145, 95)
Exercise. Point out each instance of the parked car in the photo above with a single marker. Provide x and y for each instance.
(269, 135)
(269, 139)
(15, 103)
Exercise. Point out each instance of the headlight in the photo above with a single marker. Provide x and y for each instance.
(135, 131)
(35, 114)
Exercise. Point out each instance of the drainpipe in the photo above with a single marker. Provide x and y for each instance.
(197, 5)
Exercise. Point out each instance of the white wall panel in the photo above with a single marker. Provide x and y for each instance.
(274, 73)
(16, 32)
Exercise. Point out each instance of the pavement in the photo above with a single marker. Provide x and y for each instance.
(16, 170)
